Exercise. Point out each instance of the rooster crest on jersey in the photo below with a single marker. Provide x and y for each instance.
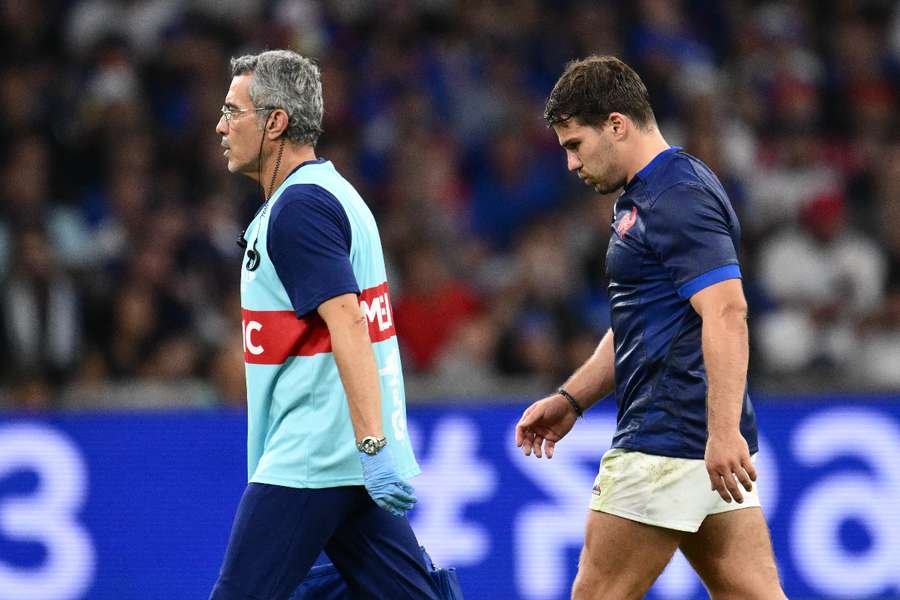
(627, 222)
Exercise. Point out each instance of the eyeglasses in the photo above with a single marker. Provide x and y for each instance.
(231, 113)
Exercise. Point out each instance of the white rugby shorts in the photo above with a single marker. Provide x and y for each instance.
(660, 490)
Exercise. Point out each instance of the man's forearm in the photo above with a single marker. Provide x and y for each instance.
(595, 379)
(725, 355)
(359, 375)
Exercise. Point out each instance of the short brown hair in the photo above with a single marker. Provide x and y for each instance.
(593, 87)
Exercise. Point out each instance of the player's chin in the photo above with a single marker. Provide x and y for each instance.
(605, 188)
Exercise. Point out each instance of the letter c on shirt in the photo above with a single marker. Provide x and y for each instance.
(248, 341)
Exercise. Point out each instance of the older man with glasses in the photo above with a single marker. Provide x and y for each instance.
(328, 454)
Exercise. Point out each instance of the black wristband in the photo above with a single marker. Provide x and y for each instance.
(575, 406)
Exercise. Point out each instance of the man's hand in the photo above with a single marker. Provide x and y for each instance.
(543, 424)
(727, 462)
(384, 484)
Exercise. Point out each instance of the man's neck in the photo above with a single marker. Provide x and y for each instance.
(647, 146)
(292, 156)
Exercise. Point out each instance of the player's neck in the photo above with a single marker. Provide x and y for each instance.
(646, 147)
(291, 156)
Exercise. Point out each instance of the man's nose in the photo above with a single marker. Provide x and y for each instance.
(573, 163)
(222, 126)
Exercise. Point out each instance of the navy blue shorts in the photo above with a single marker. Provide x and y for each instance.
(279, 532)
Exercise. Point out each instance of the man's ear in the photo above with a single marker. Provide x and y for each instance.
(619, 125)
(276, 124)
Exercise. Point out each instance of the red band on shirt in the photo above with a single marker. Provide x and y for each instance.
(271, 336)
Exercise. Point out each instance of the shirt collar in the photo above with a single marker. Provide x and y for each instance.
(645, 172)
(315, 161)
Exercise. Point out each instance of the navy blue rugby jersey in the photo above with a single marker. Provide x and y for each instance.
(674, 233)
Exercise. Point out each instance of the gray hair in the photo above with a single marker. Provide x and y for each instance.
(284, 79)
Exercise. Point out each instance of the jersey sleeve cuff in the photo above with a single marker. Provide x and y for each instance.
(709, 278)
(324, 296)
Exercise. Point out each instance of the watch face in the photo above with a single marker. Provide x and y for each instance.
(371, 445)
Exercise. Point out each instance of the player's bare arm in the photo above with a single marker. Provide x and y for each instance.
(723, 309)
(548, 420)
(355, 360)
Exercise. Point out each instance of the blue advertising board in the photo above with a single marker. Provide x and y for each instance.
(138, 506)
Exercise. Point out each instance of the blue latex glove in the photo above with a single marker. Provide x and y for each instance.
(384, 484)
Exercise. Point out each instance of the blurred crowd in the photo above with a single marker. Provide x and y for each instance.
(118, 221)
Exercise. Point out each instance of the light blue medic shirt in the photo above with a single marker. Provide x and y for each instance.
(315, 239)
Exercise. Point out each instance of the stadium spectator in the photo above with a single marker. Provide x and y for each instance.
(517, 184)
(41, 316)
(431, 307)
(432, 116)
(826, 280)
(876, 365)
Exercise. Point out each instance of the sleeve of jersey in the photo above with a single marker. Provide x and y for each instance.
(689, 230)
(309, 242)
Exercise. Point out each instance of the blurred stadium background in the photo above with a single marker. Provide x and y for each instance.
(122, 433)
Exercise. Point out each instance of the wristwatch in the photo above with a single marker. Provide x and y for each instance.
(371, 445)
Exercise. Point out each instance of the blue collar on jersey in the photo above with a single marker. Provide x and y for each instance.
(643, 173)
(315, 161)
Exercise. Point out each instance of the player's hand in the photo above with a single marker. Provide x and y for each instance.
(728, 463)
(384, 485)
(543, 424)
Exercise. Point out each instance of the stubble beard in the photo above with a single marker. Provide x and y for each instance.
(607, 183)
(609, 188)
